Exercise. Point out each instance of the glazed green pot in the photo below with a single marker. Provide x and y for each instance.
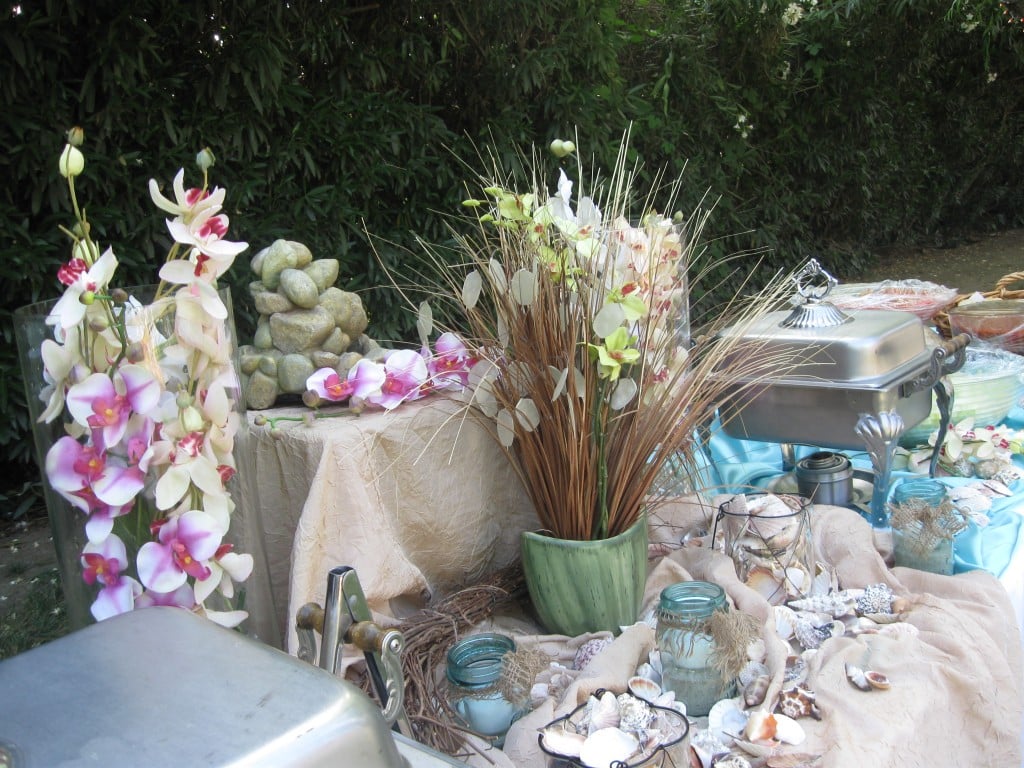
(586, 586)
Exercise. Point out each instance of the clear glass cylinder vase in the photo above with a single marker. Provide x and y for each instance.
(154, 324)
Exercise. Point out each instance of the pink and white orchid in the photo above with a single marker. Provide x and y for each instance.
(148, 392)
(405, 374)
(70, 309)
(183, 546)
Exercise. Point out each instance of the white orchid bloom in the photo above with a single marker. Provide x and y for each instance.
(187, 203)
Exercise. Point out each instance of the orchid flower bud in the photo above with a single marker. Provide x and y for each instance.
(205, 159)
(75, 136)
(72, 162)
(192, 419)
(184, 400)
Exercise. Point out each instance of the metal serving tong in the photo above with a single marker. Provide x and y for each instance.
(344, 619)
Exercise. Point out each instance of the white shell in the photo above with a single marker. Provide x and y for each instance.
(751, 671)
(833, 604)
(649, 671)
(788, 730)
(726, 720)
(563, 742)
(644, 688)
(634, 714)
(607, 746)
(602, 713)
(785, 621)
(760, 726)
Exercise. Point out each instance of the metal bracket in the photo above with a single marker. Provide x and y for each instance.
(346, 618)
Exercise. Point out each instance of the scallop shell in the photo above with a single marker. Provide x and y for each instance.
(785, 621)
(751, 671)
(726, 720)
(644, 688)
(607, 746)
(760, 726)
(757, 749)
(562, 742)
(788, 730)
(602, 712)
(797, 702)
(649, 671)
(769, 586)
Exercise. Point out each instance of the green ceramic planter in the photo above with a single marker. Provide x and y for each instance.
(586, 586)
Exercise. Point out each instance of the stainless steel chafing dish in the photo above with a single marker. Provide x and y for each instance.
(852, 381)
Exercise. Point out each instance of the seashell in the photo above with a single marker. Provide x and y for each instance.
(769, 586)
(833, 604)
(788, 730)
(877, 598)
(798, 581)
(726, 720)
(760, 726)
(785, 621)
(796, 670)
(634, 714)
(607, 746)
(602, 712)
(995, 487)
(811, 635)
(858, 677)
(877, 680)
(881, 618)
(757, 749)
(649, 671)
(825, 579)
(668, 700)
(644, 688)
(751, 671)
(588, 650)
(706, 746)
(756, 649)
(731, 761)
(755, 691)
(797, 702)
(562, 742)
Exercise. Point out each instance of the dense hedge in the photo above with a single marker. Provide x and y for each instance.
(826, 127)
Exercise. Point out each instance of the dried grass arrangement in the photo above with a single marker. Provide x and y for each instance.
(575, 311)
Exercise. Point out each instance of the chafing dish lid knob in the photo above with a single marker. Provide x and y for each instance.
(813, 284)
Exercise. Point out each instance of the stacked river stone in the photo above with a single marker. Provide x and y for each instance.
(305, 323)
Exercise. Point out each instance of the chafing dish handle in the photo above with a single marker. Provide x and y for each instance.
(947, 357)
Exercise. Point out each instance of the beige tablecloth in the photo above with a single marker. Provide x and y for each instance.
(420, 501)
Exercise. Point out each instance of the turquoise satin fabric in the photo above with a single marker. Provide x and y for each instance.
(732, 465)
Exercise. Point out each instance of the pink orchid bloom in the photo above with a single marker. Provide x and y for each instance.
(449, 365)
(227, 568)
(105, 405)
(184, 545)
(102, 488)
(69, 310)
(211, 254)
(364, 381)
(405, 374)
(191, 464)
(187, 203)
(103, 563)
(182, 597)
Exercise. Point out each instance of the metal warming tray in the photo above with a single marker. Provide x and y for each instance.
(163, 687)
(839, 368)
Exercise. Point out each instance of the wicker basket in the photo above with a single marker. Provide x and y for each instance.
(1001, 291)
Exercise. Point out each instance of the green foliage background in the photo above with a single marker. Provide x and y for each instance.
(818, 127)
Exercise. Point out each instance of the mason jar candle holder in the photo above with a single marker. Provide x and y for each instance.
(687, 647)
(474, 667)
(924, 523)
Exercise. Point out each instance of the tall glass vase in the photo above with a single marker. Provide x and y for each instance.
(67, 523)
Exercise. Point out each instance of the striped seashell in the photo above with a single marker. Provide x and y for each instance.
(755, 691)
(877, 598)
(810, 635)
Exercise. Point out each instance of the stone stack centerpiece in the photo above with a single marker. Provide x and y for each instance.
(305, 323)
